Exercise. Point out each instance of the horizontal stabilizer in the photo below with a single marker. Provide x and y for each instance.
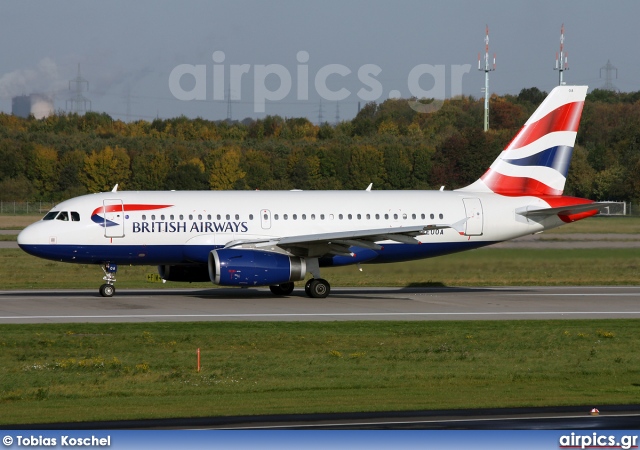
(535, 211)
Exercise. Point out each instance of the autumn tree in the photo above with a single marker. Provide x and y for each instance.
(43, 171)
(504, 114)
(150, 169)
(581, 176)
(189, 175)
(105, 168)
(366, 166)
(14, 159)
(70, 167)
(224, 168)
(397, 163)
(257, 167)
(422, 160)
(16, 189)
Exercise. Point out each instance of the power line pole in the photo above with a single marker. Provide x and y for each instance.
(562, 64)
(609, 68)
(487, 68)
(320, 118)
(128, 98)
(79, 102)
(229, 105)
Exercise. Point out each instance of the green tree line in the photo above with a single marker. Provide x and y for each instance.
(387, 144)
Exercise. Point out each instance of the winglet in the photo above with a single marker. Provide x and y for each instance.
(115, 188)
(369, 187)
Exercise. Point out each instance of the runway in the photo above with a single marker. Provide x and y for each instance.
(181, 305)
(611, 417)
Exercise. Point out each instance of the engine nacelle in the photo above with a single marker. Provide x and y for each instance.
(184, 272)
(247, 267)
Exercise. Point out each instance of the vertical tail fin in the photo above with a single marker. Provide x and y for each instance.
(537, 160)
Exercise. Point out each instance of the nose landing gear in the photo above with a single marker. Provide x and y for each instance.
(108, 289)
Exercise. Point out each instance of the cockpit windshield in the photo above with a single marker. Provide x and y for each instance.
(62, 215)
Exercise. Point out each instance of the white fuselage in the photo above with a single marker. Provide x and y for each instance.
(156, 227)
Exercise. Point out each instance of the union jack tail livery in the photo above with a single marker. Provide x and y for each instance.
(536, 161)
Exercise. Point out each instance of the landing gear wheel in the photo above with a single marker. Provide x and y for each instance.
(307, 288)
(282, 289)
(318, 288)
(109, 269)
(107, 290)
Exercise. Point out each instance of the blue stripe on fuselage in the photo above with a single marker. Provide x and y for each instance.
(117, 254)
(404, 252)
(176, 254)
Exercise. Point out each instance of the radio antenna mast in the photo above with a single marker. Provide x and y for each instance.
(487, 68)
(562, 64)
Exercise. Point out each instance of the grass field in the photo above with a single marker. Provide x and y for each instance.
(81, 372)
(8, 222)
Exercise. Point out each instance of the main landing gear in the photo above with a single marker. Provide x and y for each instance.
(282, 289)
(317, 288)
(314, 288)
(108, 289)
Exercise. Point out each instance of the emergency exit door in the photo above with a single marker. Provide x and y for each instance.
(473, 209)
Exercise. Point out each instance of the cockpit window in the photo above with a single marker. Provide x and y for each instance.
(63, 216)
(50, 215)
(75, 217)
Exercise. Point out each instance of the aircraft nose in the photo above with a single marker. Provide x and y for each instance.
(28, 236)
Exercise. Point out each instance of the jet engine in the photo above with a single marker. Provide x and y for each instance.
(248, 267)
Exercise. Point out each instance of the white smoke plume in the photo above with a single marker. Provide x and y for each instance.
(43, 78)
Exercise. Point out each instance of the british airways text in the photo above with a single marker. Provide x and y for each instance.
(194, 227)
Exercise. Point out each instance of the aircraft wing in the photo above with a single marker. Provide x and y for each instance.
(338, 243)
(534, 211)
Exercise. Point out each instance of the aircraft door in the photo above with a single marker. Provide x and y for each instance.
(113, 218)
(473, 209)
(265, 219)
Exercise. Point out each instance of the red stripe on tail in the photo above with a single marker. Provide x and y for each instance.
(516, 186)
(564, 118)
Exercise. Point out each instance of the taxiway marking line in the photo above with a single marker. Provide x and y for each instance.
(407, 422)
(155, 316)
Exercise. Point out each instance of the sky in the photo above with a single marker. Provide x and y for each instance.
(151, 58)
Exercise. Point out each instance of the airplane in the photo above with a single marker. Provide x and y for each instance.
(275, 238)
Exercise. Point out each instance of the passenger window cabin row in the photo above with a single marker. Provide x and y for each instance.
(75, 217)
(387, 216)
